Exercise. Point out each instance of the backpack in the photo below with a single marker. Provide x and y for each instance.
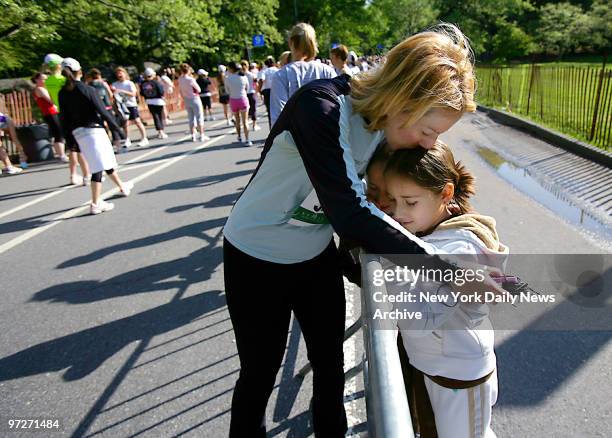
(149, 90)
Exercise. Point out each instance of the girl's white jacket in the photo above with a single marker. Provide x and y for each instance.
(453, 339)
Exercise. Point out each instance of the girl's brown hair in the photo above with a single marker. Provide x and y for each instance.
(432, 169)
(185, 68)
(432, 69)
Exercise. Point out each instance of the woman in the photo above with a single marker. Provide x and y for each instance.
(251, 93)
(265, 83)
(50, 114)
(94, 78)
(128, 92)
(223, 95)
(205, 94)
(302, 69)
(82, 115)
(277, 261)
(237, 86)
(190, 92)
(153, 91)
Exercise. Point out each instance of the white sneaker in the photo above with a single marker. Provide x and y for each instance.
(169, 122)
(86, 180)
(204, 137)
(248, 143)
(12, 170)
(162, 135)
(64, 159)
(127, 143)
(143, 142)
(76, 180)
(256, 128)
(213, 118)
(101, 207)
(127, 188)
(194, 138)
(228, 123)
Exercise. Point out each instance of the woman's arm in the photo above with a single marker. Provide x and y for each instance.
(95, 100)
(279, 94)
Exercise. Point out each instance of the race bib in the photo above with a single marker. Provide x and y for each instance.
(309, 212)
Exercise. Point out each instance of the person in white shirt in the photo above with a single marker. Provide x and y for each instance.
(264, 82)
(128, 91)
(190, 92)
(302, 69)
(251, 94)
(168, 91)
(237, 85)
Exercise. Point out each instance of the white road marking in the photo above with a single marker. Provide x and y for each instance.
(81, 209)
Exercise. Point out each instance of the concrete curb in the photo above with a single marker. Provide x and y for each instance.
(563, 141)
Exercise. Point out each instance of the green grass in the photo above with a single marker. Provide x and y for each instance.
(560, 96)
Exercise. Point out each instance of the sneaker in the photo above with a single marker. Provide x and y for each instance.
(228, 123)
(127, 189)
(86, 180)
(194, 138)
(64, 159)
(12, 170)
(162, 135)
(76, 180)
(204, 137)
(23, 164)
(143, 142)
(248, 143)
(256, 128)
(169, 122)
(101, 207)
(239, 139)
(127, 143)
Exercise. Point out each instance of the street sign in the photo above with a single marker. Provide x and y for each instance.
(258, 41)
(380, 47)
(334, 45)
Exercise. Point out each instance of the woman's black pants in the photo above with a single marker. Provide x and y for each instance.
(157, 111)
(260, 297)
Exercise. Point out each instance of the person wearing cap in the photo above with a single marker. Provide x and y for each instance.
(82, 117)
(153, 91)
(205, 95)
(223, 94)
(54, 83)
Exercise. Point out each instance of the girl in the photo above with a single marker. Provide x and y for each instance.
(237, 85)
(153, 91)
(81, 117)
(251, 93)
(451, 348)
(205, 94)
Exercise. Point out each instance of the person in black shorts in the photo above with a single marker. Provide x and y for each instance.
(205, 94)
(223, 95)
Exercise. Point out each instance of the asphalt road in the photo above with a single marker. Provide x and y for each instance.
(116, 324)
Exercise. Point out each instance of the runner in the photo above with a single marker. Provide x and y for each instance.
(223, 95)
(190, 91)
(50, 115)
(128, 91)
(251, 94)
(205, 95)
(265, 83)
(302, 69)
(237, 85)
(153, 91)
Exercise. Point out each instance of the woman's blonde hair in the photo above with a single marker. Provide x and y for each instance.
(432, 69)
(304, 39)
(432, 169)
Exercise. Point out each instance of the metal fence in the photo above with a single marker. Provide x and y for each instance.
(573, 99)
(386, 400)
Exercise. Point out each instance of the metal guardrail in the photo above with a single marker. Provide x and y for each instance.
(386, 402)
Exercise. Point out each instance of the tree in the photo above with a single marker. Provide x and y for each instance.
(563, 28)
(601, 24)
(24, 26)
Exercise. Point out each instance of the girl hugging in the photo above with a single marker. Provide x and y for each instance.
(451, 350)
